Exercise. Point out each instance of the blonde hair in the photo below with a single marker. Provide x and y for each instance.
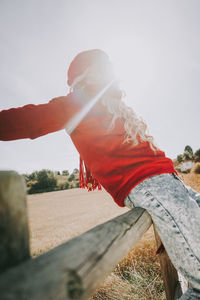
(135, 128)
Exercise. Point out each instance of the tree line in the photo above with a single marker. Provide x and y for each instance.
(47, 180)
(189, 154)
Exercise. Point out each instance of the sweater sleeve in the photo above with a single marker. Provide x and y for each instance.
(32, 121)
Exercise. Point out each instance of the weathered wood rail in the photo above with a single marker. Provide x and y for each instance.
(74, 269)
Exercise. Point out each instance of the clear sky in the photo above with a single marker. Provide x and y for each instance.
(154, 45)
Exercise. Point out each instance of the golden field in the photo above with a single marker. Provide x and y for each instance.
(58, 216)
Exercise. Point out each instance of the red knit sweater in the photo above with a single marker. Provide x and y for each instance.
(116, 165)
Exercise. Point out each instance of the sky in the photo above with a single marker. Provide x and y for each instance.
(154, 46)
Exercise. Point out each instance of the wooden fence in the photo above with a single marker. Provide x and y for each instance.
(75, 269)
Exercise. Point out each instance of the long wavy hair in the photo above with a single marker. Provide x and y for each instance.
(96, 74)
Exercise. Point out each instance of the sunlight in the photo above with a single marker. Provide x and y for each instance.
(74, 122)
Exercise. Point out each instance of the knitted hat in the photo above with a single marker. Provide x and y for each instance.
(84, 60)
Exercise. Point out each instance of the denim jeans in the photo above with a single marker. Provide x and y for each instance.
(175, 211)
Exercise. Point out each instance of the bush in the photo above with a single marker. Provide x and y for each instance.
(26, 177)
(66, 185)
(197, 155)
(46, 182)
(71, 177)
(180, 158)
(188, 149)
(197, 168)
(76, 171)
(35, 190)
(187, 155)
(65, 172)
(77, 184)
(32, 176)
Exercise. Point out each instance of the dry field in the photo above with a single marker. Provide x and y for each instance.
(58, 216)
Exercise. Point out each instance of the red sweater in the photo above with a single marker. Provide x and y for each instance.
(116, 165)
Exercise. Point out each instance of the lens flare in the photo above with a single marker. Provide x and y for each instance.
(75, 120)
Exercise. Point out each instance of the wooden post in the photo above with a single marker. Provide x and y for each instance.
(170, 276)
(14, 237)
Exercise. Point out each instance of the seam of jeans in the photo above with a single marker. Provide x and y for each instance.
(166, 210)
(131, 201)
(178, 178)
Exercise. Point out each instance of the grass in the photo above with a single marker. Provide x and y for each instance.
(137, 277)
(196, 168)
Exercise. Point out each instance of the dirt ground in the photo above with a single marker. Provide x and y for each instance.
(191, 179)
(58, 216)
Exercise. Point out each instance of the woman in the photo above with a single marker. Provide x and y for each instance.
(117, 153)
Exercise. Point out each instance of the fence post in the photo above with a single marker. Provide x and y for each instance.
(170, 276)
(14, 235)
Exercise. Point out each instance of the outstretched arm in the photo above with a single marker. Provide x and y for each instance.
(32, 121)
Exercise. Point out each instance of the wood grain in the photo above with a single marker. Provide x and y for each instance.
(14, 236)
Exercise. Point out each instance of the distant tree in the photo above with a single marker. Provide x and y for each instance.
(76, 171)
(46, 181)
(71, 177)
(26, 177)
(180, 158)
(66, 185)
(65, 172)
(33, 175)
(187, 155)
(188, 149)
(197, 155)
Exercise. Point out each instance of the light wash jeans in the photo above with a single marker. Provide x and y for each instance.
(175, 211)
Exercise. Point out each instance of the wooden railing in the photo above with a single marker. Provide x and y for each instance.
(75, 269)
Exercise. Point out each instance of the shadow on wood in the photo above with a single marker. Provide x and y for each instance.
(14, 235)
